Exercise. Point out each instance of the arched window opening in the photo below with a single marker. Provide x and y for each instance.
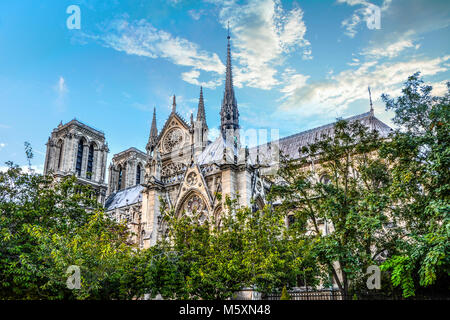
(325, 179)
(61, 147)
(142, 238)
(138, 174)
(90, 162)
(119, 181)
(79, 157)
(290, 220)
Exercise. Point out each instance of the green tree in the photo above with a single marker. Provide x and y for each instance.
(341, 182)
(420, 151)
(285, 294)
(48, 225)
(214, 260)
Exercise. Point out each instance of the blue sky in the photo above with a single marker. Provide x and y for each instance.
(296, 64)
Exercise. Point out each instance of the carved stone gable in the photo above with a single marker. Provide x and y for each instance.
(193, 192)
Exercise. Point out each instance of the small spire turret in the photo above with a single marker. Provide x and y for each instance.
(370, 99)
(201, 114)
(153, 133)
(174, 105)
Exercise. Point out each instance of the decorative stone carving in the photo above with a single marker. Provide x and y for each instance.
(192, 179)
(172, 168)
(173, 139)
(194, 205)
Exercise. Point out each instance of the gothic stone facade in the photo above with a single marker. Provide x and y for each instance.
(180, 165)
(77, 149)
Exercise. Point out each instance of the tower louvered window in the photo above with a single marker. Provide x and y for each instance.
(119, 181)
(138, 174)
(90, 162)
(61, 147)
(79, 158)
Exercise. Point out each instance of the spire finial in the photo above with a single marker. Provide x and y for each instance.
(228, 37)
(201, 114)
(370, 99)
(153, 133)
(174, 104)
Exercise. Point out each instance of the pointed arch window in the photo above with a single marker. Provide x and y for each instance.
(61, 147)
(79, 157)
(138, 174)
(119, 180)
(90, 162)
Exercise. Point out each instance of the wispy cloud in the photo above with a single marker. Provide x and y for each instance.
(61, 91)
(336, 93)
(2, 145)
(142, 39)
(35, 168)
(391, 50)
(196, 14)
(263, 33)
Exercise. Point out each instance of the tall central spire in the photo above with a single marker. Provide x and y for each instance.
(229, 114)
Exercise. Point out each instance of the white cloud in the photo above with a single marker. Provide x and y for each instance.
(262, 33)
(196, 14)
(2, 145)
(61, 91)
(142, 39)
(391, 50)
(193, 76)
(35, 168)
(334, 95)
(293, 82)
(439, 88)
(213, 133)
(62, 87)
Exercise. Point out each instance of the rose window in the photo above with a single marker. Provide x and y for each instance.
(173, 139)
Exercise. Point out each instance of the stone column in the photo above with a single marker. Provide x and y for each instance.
(100, 165)
(95, 176)
(73, 164)
(47, 155)
(150, 213)
(245, 188)
(67, 147)
(228, 182)
(110, 182)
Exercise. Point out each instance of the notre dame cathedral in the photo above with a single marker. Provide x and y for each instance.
(180, 165)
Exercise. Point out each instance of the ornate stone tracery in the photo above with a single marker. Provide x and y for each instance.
(195, 206)
(173, 139)
(192, 179)
(172, 168)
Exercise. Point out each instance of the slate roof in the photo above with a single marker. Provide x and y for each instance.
(124, 197)
(290, 145)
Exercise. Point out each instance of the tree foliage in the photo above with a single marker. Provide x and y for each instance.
(48, 225)
(215, 259)
(337, 193)
(420, 149)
